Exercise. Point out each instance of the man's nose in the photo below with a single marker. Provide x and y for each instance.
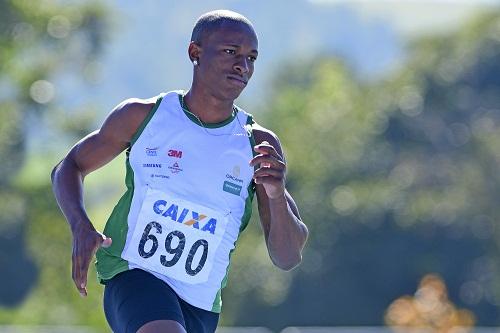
(242, 65)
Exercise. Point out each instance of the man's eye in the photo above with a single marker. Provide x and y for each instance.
(252, 58)
(229, 51)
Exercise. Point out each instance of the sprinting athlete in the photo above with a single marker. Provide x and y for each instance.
(194, 162)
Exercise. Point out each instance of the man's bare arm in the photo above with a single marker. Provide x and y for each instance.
(284, 232)
(89, 154)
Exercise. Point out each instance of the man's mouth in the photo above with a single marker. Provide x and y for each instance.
(239, 81)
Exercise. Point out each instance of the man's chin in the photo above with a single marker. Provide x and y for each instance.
(232, 93)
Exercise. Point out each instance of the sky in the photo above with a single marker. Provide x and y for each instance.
(416, 17)
(144, 57)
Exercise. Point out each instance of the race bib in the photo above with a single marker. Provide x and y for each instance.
(176, 238)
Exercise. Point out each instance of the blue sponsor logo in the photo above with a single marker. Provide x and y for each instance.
(151, 165)
(185, 216)
(160, 176)
(234, 179)
(231, 188)
(152, 151)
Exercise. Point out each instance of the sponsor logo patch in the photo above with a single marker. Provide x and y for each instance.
(230, 185)
(234, 179)
(151, 165)
(175, 153)
(153, 175)
(186, 216)
(175, 168)
(152, 151)
(231, 188)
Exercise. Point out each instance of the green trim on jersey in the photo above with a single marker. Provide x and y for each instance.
(198, 121)
(251, 187)
(109, 261)
(146, 121)
(217, 305)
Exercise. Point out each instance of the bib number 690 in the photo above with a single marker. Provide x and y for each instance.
(176, 251)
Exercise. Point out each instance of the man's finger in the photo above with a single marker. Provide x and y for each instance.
(265, 179)
(268, 172)
(268, 151)
(77, 276)
(83, 269)
(266, 161)
(81, 284)
(81, 260)
(264, 145)
(76, 259)
(74, 271)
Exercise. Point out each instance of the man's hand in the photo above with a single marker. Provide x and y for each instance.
(271, 173)
(86, 241)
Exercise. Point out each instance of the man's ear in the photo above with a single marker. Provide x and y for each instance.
(194, 51)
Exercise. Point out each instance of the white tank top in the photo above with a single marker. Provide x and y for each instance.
(191, 197)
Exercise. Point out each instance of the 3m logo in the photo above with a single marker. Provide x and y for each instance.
(175, 153)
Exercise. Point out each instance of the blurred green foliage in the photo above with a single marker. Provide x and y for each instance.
(38, 41)
(396, 179)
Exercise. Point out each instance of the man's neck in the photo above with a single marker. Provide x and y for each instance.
(207, 107)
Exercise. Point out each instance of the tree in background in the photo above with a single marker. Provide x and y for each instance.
(38, 41)
(396, 180)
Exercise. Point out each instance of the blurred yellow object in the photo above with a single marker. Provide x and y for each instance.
(429, 310)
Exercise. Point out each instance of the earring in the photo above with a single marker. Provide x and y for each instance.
(195, 62)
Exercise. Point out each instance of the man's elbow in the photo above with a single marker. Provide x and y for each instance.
(54, 171)
(289, 263)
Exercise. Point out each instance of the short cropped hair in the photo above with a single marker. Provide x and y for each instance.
(211, 21)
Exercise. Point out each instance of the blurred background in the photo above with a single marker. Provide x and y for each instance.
(389, 113)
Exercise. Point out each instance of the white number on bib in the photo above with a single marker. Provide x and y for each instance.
(175, 237)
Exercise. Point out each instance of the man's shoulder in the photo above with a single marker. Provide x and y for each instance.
(135, 110)
(146, 104)
(137, 105)
(126, 117)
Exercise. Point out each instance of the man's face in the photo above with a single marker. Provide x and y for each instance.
(227, 60)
